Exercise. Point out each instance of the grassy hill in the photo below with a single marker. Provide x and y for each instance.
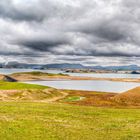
(14, 91)
(33, 117)
(36, 75)
(19, 86)
(130, 97)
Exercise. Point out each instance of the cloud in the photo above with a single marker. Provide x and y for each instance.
(44, 43)
(21, 11)
(77, 30)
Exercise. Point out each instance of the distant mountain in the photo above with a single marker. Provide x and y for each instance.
(15, 64)
(115, 68)
(64, 66)
(129, 67)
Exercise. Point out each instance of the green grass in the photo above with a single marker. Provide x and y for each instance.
(38, 73)
(73, 99)
(41, 121)
(27, 92)
(19, 86)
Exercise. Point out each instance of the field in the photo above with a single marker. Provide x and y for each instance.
(43, 121)
(33, 112)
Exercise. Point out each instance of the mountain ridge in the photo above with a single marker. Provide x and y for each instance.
(68, 66)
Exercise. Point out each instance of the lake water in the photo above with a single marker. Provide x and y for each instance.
(10, 71)
(89, 85)
(106, 75)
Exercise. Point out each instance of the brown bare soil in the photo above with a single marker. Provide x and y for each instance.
(131, 97)
(101, 99)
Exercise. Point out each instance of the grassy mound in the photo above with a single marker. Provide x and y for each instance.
(13, 91)
(19, 86)
(131, 97)
(38, 73)
(33, 95)
(35, 75)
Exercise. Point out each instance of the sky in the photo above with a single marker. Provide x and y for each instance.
(90, 32)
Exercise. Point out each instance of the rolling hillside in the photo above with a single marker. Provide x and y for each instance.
(131, 97)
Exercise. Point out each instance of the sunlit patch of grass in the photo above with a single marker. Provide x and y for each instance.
(73, 98)
(19, 86)
(38, 73)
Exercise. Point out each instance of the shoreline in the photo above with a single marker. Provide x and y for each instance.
(66, 78)
(40, 76)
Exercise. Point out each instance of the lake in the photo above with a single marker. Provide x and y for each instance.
(10, 71)
(89, 85)
(106, 75)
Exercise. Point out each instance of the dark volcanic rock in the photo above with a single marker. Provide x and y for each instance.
(135, 72)
(8, 79)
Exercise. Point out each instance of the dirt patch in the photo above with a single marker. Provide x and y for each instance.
(129, 99)
(90, 98)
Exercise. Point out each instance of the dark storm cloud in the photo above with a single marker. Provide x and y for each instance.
(107, 31)
(45, 43)
(42, 45)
